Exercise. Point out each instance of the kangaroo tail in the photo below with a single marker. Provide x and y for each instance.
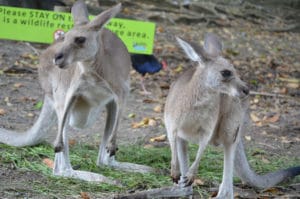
(36, 133)
(248, 176)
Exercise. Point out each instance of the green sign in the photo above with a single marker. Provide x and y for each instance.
(42, 27)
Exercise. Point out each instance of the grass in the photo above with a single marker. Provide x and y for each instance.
(84, 156)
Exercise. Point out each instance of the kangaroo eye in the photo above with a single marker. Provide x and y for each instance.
(226, 73)
(79, 40)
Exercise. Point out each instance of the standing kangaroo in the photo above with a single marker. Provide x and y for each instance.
(208, 104)
(84, 71)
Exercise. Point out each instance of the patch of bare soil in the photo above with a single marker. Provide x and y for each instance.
(267, 61)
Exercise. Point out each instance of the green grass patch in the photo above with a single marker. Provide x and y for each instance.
(84, 158)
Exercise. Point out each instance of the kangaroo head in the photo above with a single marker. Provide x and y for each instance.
(217, 72)
(82, 42)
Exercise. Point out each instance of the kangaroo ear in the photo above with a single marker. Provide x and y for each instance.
(212, 45)
(189, 50)
(80, 13)
(100, 20)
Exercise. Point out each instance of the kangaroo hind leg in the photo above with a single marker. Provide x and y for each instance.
(108, 146)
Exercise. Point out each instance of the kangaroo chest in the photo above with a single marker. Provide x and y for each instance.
(198, 119)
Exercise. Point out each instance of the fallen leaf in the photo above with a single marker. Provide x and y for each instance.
(140, 124)
(148, 146)
(152, 122)
(2, 111)
(6, 99)
(285, 140)
(160, 29)
(265, 160)
(290, 80)
(157, 109)
(272, 190)
(18, 85)
(198, 182)
(160, 138)
(164, 85)
(131, 115)
(149, 101)
(72, 142)
(256, 100)
(30, 56)
(48, 162)
(254, 117)
(259, 124)
(283, 91)
(30, 115)
(178, 69)
(84, 195)
(293, 85)
(273, 119)
(126, 11)
(248, 138)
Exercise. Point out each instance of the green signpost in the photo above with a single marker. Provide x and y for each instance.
(42, 26)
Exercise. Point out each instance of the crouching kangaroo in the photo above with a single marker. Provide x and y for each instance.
(84, 71)
(208, 104)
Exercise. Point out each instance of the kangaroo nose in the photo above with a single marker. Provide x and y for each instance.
(245, 90)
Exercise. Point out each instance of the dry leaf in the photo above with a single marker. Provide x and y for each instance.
(248, 137)
(84, 195)
(157, 109)
(48, 162)
(30, 56)
(148, 146)
(140, 124)
(164, 85)
(273, 119)
(152, 122)
(254, 117)
(131, 115)
(198, 182)
(256, 100)
(160, 138)
(2, 111)
(18, 85)
(293, 85)
(272, 190)
(178, 69)
(30, 115)
(149, 101)
(286, 140)
(126, 11)
(160, 29)
(72, 142)
(265, 160)
(259, 124)
(283, 91)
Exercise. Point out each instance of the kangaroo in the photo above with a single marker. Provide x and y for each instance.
(208, 104)
(82, 72)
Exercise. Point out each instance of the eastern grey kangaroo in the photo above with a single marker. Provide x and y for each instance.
(208, 104)
(82, 72)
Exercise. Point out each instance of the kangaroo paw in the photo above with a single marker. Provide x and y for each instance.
(175, 178)
(186, 181)
(87, 176)
(58, 148)
(125, 166)
(112, 149)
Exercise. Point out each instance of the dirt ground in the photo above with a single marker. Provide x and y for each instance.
(269, 62)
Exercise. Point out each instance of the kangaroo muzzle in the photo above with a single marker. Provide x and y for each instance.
(244, 91)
